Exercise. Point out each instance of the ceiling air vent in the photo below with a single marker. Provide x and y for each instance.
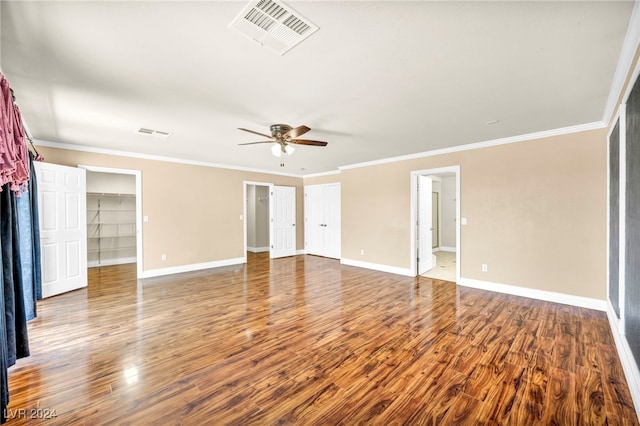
(273, 24)
(150, 132)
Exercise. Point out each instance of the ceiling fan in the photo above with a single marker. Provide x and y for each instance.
(283, 135)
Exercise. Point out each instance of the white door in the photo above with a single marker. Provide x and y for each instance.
(314, 220)
(63, 227)
(282, 235)
(425, 252)
(332, 228)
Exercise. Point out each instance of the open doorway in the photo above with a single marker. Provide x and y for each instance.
(257, 205)
(280, 232)
(114, 217)
(435, 219)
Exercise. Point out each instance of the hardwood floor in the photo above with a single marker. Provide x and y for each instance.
(305, 340)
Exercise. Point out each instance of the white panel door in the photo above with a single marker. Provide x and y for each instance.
(425, 228)
(332, 228)
(282, 235)
(314, 220)
(63, 227)
(322, 226)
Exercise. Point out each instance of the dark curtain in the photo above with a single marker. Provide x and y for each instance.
(29, 231)
(15, 315)
(4, 356)
(20, 257)
(14, 342)
(35, 232)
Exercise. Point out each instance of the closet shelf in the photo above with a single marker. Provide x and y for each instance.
(107, 194)
(111, 249)
(111, 226)
(97, 237)
(111, 223)
(111, 210)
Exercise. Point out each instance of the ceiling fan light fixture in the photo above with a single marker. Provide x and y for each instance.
(289, 149)
(275, 150)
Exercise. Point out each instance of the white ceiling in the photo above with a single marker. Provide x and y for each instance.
(378, 80)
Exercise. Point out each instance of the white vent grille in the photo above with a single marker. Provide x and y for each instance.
(273, 24)
(151, 132)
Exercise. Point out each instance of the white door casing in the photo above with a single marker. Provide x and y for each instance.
(63, 227)
(425, 227)
(282, 232)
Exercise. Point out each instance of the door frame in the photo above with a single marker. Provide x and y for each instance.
(414, 214)
(245, 186)
(139, 227)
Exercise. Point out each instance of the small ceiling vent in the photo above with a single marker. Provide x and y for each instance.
(150, 132)
(273, 24)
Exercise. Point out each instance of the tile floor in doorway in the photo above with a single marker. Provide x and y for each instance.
(445, 268)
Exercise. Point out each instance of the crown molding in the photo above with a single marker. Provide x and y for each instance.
(485, 144)
(96, 150)
(320, 174)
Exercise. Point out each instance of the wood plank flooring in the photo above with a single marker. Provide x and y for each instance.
(305, 340)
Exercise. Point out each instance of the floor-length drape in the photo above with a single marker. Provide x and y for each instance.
(15, 316)
(4, 356)
(35, 231)
(29, 232)
(20, 284)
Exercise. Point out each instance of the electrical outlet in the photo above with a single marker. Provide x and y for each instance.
(484, 267)
(163, 257)
(361, 252)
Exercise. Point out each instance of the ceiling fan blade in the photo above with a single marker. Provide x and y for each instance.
(255, 133)
(307, 142)
(298, 131)
(253, 143)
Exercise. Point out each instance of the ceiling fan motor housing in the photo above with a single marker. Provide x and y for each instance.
(277, 130)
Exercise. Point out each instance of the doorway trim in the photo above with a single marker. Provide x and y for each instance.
(138, 177)
(245, 187)
(414, 214)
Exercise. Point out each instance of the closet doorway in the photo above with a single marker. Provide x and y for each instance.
(114, 217)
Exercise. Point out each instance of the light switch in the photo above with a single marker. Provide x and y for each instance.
(146, 218)
(463, 220)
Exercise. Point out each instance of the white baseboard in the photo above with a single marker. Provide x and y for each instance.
(258, 249)
(190, 268)
(549, 296)
(449, 249)
(629, 365)
(108, 262)
(378, 267)
(301, 252)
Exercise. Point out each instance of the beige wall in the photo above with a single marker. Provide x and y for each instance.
(536, 213)
(194, 211)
